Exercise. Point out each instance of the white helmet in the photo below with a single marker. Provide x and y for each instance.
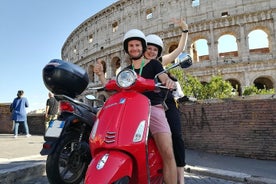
(135, 34)
(156, 41)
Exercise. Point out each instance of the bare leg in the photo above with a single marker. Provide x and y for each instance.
(164, 145)
(180, 175)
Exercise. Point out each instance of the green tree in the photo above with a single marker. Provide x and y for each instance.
(253, 90)
(218, 88)
(191, 86)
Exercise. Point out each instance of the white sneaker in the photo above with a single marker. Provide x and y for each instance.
(28, 135)
(15, 136)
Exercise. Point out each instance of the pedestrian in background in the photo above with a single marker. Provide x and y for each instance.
(19, 114)
(51, 109)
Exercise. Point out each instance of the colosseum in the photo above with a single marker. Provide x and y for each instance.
(233, 38)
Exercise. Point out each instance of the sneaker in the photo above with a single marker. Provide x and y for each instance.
(28, 135)
(15, 136)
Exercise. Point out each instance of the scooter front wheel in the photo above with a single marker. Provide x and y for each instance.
(123, 180)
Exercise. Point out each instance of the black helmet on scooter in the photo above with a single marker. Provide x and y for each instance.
(156, 41)
(135, 34)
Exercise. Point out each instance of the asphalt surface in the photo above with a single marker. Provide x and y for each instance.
(20, 162)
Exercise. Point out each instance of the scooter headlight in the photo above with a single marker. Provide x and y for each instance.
(126, 78)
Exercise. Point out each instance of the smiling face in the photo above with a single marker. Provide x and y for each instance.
(135, 49)
(151, 52)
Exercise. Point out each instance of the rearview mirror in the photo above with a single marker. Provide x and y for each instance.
(184, 60)
(90, 97)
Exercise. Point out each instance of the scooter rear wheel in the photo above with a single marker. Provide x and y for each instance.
(67, 165)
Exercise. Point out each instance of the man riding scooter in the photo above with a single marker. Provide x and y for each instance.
(135, 46)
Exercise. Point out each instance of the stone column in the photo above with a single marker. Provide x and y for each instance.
(212, 45)
(243, 47)
(272, 42)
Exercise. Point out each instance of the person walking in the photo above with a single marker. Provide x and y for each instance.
(51, 110)
(19, 114)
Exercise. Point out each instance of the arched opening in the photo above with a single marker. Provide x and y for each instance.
(258, 42)
(104, 66)
(203, 83)
(172, 48)
(115, 65)
(236, 87)
(227, 47)
(91, 73)
(263, 83)
(199, 50)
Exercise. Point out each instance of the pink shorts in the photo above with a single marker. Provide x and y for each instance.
(158, 120)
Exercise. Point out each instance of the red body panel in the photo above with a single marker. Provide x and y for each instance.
(116, 163)
(118, 121)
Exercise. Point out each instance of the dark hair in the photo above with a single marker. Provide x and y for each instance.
(20, 93)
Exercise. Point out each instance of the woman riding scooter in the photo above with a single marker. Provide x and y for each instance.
(154, 50)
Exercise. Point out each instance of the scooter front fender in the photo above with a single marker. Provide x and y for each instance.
(109, 166)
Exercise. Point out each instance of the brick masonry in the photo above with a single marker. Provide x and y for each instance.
(239, 127)
(244, 127)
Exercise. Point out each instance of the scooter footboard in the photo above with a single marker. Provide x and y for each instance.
(108, 166)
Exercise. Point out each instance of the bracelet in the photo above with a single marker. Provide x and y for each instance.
(185, 31)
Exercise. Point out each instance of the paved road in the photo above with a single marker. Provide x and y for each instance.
(20, 161)
(189, 179)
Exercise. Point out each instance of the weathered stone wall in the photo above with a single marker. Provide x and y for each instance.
(240, 127)
(35, 121)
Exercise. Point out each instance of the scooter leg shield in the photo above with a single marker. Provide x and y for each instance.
(107, 167)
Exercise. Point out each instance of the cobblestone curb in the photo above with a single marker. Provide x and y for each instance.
(22, 173)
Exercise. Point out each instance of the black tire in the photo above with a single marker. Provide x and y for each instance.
(66, 165)
(123, 180)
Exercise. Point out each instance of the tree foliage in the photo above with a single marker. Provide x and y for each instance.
(253, 90)
(216, 88)
(191, 86)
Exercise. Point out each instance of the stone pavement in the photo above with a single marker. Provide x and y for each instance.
(20, 161)
(231, 168)
(20, 158)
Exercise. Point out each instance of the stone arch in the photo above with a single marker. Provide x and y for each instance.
(258, 41)
(263, 82)
(104, 66)
(204, 83)
(115, 65)
(226, 31)
(199, 48)
(236, 86)
(90, 71)
(171, 47)
(227, 45)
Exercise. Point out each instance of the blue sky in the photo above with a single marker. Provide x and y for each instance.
(32, 32)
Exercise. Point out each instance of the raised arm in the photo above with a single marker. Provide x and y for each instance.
(168, 58)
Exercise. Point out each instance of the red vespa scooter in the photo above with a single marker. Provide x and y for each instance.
(121, 148)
